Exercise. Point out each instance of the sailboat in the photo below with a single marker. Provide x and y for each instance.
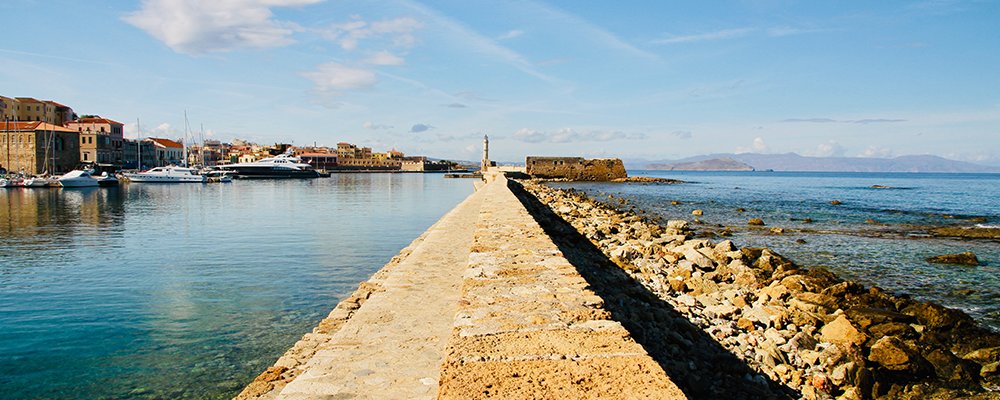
(170, 173)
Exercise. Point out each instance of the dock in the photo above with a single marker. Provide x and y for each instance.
(482, 305)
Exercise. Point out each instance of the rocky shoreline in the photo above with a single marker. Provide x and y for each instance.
(816, 334)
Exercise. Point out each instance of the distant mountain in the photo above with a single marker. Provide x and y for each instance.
(715, 164)
(795, 162)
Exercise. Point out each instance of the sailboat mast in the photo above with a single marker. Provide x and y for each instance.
(138, 144)
(184, 142)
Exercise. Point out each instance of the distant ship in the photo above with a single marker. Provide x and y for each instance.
(279, 167)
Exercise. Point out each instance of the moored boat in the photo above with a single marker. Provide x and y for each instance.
(168, 174)
(283, 166)
(78, 178)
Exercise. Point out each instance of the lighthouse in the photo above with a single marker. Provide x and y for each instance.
(486, 153)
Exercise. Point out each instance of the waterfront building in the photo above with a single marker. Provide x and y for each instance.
(101, 139)
(38, 147)
(31, 109)
(319, 160)
(168, 152)
(131, 154)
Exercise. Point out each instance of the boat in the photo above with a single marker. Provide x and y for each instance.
(78, 178)
(282, 166)
(217, 176)
(40, 182)
(168, 174)
(107, 180)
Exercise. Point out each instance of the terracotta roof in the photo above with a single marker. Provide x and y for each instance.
(28, 99)
(167, 143)
(56, 104)
(318, 155)
(31, 126)
(97, 121)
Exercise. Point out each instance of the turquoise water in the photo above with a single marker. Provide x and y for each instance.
(188, 291)
(877, 236)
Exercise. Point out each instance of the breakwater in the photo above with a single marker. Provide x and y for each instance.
(548, 293)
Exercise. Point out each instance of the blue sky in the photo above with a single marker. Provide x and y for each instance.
(635, 79)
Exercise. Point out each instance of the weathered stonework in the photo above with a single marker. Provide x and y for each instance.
(576, 168)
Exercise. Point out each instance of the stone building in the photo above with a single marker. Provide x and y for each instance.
(575, 168)
(38, 147)
(167, 152)
(101, 140)
(31, 109)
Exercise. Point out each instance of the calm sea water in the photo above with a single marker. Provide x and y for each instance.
(188, 291)
(876, 236)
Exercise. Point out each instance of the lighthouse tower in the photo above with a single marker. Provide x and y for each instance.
(486, 153)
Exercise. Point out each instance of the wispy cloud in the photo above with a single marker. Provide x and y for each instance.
(373, 126)
(707, 36)
(456, 105)
(595, 33)
(335, 77)
(864, 121)
(384, 58)
(570, 135)
(510, 34)
(681, 134)
(197, 27)
(348, 34)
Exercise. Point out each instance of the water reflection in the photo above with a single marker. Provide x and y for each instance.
(187, 291)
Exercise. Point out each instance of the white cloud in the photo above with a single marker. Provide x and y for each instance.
(702, 37)
(334, 77)
(373, 126)
(196, 26)
(348, 34)
(758, 146)
(511, 34)
(876, 152)
(384, 58)
(530, 135)
(830, 149)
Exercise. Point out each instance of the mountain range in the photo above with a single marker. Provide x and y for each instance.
(796, 162)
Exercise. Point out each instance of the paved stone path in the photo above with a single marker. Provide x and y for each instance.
(485, 306)
(393, 346)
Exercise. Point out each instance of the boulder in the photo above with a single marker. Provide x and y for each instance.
(936, 316)
(894, 355)
(677, 224)
(697, 213)
(755, 222)
(699, 259)
(967, 258)
(841, 331)
(984, 355)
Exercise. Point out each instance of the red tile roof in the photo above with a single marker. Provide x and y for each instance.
(31, 126)
(97, 121)
(167, 143)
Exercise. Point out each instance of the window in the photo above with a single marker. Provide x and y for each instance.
(85, 158)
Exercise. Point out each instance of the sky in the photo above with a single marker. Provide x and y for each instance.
(632, 79)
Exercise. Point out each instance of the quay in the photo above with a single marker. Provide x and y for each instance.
(482, 305)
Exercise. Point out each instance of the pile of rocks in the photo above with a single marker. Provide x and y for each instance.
(805, 328)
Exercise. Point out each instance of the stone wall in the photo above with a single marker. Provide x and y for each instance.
(576, 168)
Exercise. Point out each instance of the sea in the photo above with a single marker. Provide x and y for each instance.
(188, 291)
(876, 235)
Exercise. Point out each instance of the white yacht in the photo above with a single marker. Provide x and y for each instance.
(277, 167)
(78, 178)
(169, 174)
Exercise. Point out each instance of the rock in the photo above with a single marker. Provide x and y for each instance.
(807, 220)
(967, 258)
(697, 213)
(677, 224)
(894, 355)
(835, 202)
(720, 311)
(984, 355)
(822, 383)
(755, 222)
(777, 231)
(949, 367)
(699, 259)
(936, 316)
(746, 325)
(841, 331)
(865, 317)
(675, 202)
(803, 341)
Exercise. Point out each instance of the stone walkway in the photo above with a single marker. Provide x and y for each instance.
(485, 306)
(393, 346)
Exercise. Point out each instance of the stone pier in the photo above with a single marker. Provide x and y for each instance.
(482, 305)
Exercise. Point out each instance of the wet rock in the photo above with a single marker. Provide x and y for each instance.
(807, 220)
(936, 316)
(777, 231)
(894, 355)
(984, 355)
(677, 224)
(755, 222)
(841, 331)
(966, 258)
(836, 202)
(949, 367)
(697, 213)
